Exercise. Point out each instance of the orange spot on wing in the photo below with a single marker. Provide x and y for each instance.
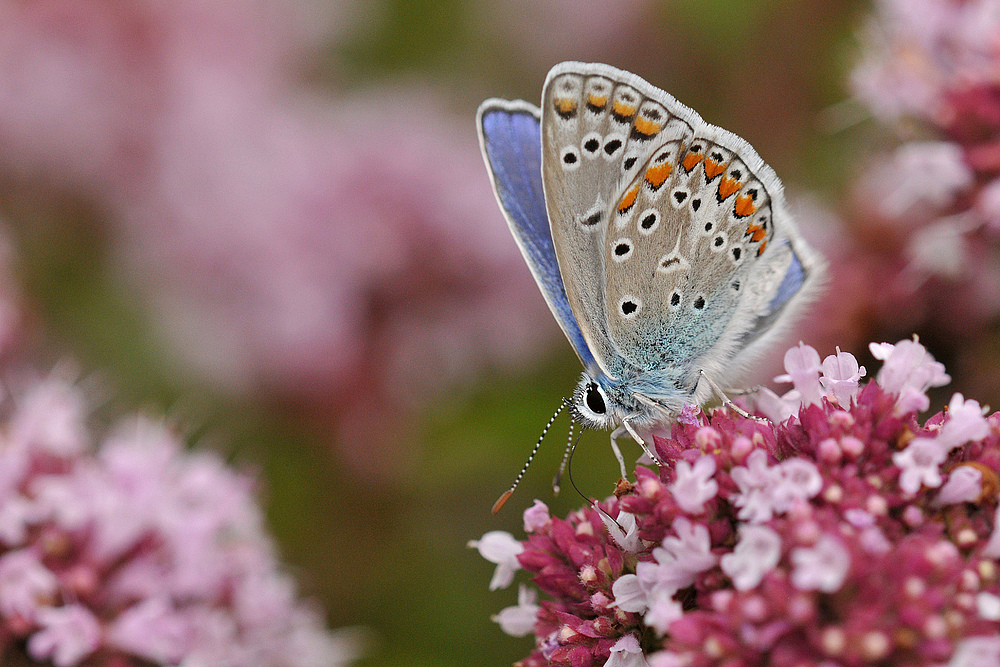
(727, 186)
(646, 126)
(691, 160)
(628, 201)
(744, 206)
(597, 101)
(566, 106)
(760, 250)
(656, 175)
(713, 168)
(755, 232)
(623, 110)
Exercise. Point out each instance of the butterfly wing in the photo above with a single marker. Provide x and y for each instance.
(510, 138)
(598, 133)
(677, 252)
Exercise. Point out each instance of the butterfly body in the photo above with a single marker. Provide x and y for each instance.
(661, 243)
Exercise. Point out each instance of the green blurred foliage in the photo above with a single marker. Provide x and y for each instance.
(392, 556)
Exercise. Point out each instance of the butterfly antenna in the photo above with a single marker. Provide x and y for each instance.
(517, 480)
(605, 517)
(562, 465)
(569, 471)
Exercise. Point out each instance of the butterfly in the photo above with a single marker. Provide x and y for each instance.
(662, 244)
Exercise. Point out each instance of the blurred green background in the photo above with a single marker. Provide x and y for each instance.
(388, 551)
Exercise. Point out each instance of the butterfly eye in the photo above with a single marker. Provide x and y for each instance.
(594, 398)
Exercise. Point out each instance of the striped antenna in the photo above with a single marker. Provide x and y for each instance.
(566, 454)
(517, 480)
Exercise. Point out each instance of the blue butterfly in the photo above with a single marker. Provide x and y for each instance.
(662, 244)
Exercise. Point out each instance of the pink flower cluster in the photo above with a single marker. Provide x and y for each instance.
(331, 249)
(137, 551)
(847, 534)
(924, 217)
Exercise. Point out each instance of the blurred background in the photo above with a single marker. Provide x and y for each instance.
(270, 221)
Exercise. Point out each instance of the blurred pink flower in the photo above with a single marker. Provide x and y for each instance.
(139, 549)
(921, 220)
(921, 217)
(919, 50)
(344, 252)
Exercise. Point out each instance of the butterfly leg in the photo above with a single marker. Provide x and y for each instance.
(627, 427)
(642, 443)
(728, 403)
(617, 433)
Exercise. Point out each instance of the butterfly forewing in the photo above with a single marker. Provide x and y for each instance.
(510, 138)
(663, 227)
(599, 133)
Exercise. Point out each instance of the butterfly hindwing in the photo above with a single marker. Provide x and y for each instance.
(510, 138)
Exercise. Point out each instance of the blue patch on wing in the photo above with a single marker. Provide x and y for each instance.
(790, 284)
(511, 142)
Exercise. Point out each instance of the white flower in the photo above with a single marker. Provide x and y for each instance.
(24, 583)
(988, 606)
(965, 423)
(803, 367)
(908, 371)
(976, 652)
(500, 547)
(675, 565)
(666, 659)
(841, 375)
(536, 516)
(626, 653)
(663, 612)
(821, 567)
(964, 485)
(939, 248)
(692, 546)
(678, 561)
(757, 553)
(931, 173)
(920, 463)
(68, 635)
(874, 541)
(629, 594)
(51, 418)
(798, 479)
(622, 530)
(777, 408)
(694, 485)
(758, 483)
(519, 621)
